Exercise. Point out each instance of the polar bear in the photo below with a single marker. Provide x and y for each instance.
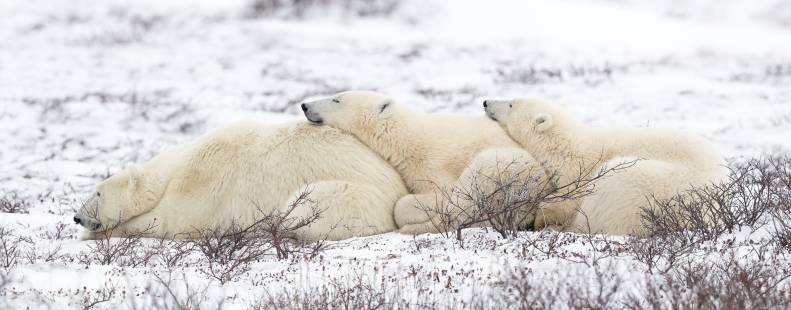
(661, 163)
(237, 173)
(435, 154)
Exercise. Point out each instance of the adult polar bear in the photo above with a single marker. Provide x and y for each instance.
(233, 174)
(431, 151)
(665, 162)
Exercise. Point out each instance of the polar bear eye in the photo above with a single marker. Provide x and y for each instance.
(510, 105)
(98, 194)
(384, 106)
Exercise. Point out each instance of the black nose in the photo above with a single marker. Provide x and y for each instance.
(77, 219)
(304, 107)
(485, 103)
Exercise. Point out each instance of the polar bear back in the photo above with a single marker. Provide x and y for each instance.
(451, 142)
(280, 152)
(225, 172)
(669, 145)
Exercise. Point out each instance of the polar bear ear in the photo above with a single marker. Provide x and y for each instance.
(542, 122)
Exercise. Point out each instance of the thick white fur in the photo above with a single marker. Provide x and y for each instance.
(431, 151)
(240, 171)
(665, 162)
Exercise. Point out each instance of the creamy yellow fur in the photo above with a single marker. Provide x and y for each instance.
(665, 162)
(430, 151)
(228, 174)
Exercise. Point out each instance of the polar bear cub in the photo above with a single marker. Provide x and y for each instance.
(435, 154)
(238, 173)
(664, 163)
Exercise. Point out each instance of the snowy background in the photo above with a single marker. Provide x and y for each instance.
(89, 87)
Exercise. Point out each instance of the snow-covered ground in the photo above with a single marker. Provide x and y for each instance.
(89, 87)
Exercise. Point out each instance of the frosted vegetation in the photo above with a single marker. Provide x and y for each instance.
(87, 88)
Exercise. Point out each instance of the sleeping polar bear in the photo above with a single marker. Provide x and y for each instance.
(235, 174)
(442, 157)
(664, 163)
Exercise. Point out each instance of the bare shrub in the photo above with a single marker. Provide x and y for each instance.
(706, 212)
(519, 288)
(281, 227)
(551, 244)
(229, 252)
(715, 285)
(600, 247)
(92, 298)
(598, 295)
(513, 202)
(454, 99)
(300, 8)
(52, 253)
(777, 72)
(508, 198)
(780, 168)
(7, 279)
(128, 251)
(61, 231)
(782, 233)
(10, 202)
(535, 73)
(660, 252)
(172, 116)
(13, 248)
(546, 242)
(157, 107)
(171, 252)
(125, 28)
(164, 291)
(337, 294)
(525, 291)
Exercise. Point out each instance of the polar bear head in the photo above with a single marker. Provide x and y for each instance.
(528, 121)
(351, 111)
(116, 200)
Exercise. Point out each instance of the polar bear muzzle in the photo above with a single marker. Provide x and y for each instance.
(496, 109)
(310, 112)
(88, 215)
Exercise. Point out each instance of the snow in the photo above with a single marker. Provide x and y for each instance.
(87, 88)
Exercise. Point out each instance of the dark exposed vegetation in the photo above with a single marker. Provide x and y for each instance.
(300, 8)
(10, 202)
